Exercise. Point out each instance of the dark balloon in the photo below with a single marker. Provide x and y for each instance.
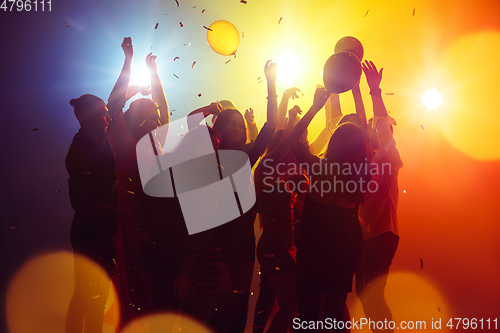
(341, 72)
(350, 44)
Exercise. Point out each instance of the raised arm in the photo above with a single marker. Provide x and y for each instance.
(213, 109)
(272, 97)
(373, 78)
(283, 107)
(358, 102)
(298, 147)
(118, 95)
(252, 130)
(332, 117)
(157, 93)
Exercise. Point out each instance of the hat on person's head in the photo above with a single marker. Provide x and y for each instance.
(87, 105)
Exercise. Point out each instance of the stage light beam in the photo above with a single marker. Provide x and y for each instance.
(432, 99)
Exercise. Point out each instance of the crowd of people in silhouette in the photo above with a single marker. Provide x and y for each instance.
(318, 230)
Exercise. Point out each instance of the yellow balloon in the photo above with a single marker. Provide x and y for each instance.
(223, 37)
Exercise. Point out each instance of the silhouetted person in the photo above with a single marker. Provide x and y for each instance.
(92, 188)
(378, 215)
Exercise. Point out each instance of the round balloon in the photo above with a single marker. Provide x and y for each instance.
(341, 72)
(350, 44)
(223, 37)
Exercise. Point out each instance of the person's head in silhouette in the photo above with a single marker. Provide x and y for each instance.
(92, 114)
(142, 117)
(232, 129)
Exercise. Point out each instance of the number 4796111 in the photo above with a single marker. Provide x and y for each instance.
(26, 5)
(473, 324)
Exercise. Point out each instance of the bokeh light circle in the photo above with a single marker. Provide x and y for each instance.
(39, 294)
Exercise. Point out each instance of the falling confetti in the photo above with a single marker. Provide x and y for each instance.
(242, 34)
(413, 11)
(177, 2)
(13, 228)
(156, 26)
(194, 7)
(199, 95)
(176, 76)
(421, 263)
(58, 191)
(192, 66)
(439, 309)
(67, 26)
(177, 57)
(170, 112)
(228, 61)
(181, 24)
(130, 192)
(207, 28)
(280, 20)
(389, 93)
(243, 1)
(366, 13)
(261, 81)
(260, 77)
(404, 191)
(203, 11)
(34, 129)
(422, 127)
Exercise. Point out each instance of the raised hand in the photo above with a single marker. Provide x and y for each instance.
(249, 116)
(320, 97)
(293, 112)
(292, 92)
(270, 70)
(373, 76)
(127, 47)
(151, 62)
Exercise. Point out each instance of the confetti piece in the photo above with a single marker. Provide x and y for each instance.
(389, 93)
(207, 28)
(228, 61)
(170, 112)
(244, 1)
(366, 13)
(130, 192)
(67, 26)
(34, 129)
(156, 26)
(130, 179)
(422, 127)
(177, 2)
(261, 81)
(251, 292)
(181, 24)
(260, 77)
(58, 191)
(177, 57)
(404, 191)
(439, 309)
(280, 20)
(242, 34)
(192, 66)
(194, 7)
(176, 76)
(413, 11)
(13, 228)
(421, 263)
(199, 95)
(203, 11)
